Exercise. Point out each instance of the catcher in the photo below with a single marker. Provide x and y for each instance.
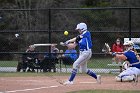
(85, 44)
(132, 72)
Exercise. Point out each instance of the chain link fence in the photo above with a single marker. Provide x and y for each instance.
(41, 26)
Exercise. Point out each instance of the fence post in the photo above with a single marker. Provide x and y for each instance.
(49, 15)
(130, 24)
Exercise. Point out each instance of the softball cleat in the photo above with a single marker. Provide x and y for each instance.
(68, 83)
(98, 79)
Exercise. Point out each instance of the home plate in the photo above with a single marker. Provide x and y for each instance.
(87, 82)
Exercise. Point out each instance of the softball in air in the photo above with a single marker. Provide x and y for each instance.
(66, 33)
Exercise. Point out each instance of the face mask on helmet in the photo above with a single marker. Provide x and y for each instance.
(81, 27)
(128, 45)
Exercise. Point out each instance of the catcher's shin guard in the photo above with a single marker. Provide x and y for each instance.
(135, 78)
(125, 78)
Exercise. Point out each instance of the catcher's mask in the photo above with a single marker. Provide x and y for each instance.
(128, 45)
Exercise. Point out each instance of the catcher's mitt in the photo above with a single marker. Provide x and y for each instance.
(106, 48)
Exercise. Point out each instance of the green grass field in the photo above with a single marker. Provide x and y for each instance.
(99, 63)
(8, 63)
(93, 63)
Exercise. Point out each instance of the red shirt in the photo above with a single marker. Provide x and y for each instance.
(117, 48)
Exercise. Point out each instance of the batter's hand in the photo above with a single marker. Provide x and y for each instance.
(64, 43)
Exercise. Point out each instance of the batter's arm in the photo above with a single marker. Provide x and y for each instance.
(72, 40)
(76, 38)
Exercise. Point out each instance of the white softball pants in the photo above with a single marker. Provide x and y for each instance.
(82, 60)
(130, 71)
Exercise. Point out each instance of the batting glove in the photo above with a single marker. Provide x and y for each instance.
(67, 42)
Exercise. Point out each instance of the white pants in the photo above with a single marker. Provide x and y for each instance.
(130, 71)
(81, 62)
(128, 74)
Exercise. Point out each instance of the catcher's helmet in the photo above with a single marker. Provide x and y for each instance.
(81, 26)
(129, 45)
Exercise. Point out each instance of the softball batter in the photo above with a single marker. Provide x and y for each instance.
(85, 44)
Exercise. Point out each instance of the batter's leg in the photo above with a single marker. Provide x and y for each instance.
(83, 57)
(83, 67)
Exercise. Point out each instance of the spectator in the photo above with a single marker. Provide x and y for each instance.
(117, 47)
(49, 61)
(69, 56)
(54, 50)
(29, 59)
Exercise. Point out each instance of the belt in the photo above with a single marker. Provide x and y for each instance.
(84, 49)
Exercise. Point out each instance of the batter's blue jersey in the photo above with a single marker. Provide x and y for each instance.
(85, 42)
(131, 57)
